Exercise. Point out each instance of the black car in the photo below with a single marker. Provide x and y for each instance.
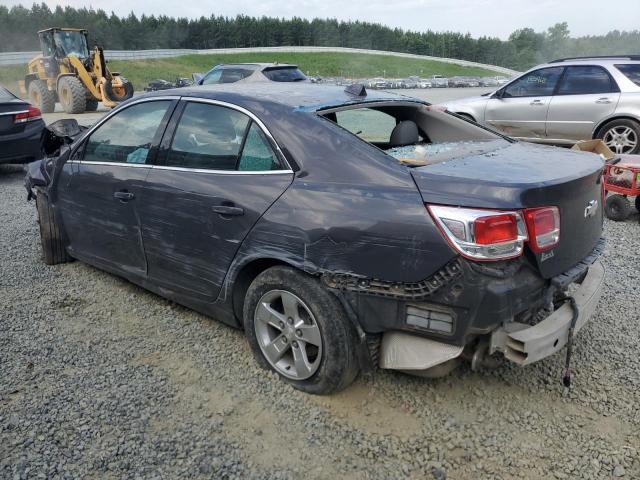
(21, 128)
(342, 230)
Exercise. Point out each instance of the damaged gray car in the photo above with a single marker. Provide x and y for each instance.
(342, 230)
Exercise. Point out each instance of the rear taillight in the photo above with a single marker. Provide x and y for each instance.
(481, 234)
(30, 115)
(543, 225)
(497, 234)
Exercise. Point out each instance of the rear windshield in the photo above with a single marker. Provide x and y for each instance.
(631, 71)
(284, 74)
(5, 95)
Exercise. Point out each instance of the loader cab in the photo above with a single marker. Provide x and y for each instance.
(62, 42)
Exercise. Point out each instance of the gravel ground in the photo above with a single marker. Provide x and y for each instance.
(101, 379)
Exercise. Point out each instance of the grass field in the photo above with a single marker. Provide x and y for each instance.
(324, 64)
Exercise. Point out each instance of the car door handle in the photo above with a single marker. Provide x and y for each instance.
(537, 102)
(123, 195)
(604, 100)
(228, 210)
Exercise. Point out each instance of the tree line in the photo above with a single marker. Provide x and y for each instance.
(523, 49)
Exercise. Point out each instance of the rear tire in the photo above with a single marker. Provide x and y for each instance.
(92, 105)
(617, 208)
(40, 96)
(621, 136)
(72, 94)
(53, 248)
(318, 316)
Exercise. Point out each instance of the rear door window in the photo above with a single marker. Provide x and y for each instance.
(128, 136)
(284, 74)
(631, 71)
(232, 75)
(257, 154)
(208, 137)
(539, 83)
(371, 125)
(586, 79)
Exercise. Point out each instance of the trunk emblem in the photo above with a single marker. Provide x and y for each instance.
(591, 209)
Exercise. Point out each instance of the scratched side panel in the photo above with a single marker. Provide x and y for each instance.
(189, 247)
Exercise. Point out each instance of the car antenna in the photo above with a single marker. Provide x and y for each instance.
(356, 89)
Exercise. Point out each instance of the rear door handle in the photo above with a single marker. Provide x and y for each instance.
(123, 195)
(537, 102)
(604, 100)
(228, 210)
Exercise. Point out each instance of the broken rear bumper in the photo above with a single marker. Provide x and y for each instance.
(525, 344)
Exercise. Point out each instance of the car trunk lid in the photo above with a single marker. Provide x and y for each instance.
(499, 174)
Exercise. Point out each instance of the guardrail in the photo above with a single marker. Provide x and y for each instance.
(14, 58)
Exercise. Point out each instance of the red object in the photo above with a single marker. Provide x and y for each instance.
(496, 229)
(32, 114)
(543, 226)
(622, 177)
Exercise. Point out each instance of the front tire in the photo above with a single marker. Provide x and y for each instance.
(40, 96)
(617, 208)
(72, 94)
(299, 330)
(621, 136)
(53, 248)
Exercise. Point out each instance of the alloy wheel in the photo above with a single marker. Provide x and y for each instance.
(288, 334)
(621, 139)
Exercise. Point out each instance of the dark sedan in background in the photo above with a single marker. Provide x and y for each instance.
(21, 127)
(340, 229)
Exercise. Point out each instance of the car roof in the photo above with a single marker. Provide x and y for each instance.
(608, 61)
(304, 97)
(258, 65)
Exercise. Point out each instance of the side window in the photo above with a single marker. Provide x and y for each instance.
(631, 71)
(128, 136)
(583, 80)
(370, 125)
(257, 154)
(208, 137)
(232, 75)
(539, 83)
(212, 77)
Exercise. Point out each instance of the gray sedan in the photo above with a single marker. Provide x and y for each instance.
(566, 101)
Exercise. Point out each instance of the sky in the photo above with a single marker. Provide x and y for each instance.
(496, 18)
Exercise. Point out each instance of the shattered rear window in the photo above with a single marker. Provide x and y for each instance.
(423, 153)
(631, 71)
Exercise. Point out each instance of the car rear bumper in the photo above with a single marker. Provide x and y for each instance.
(520, 343)
(22, 147)
(524, 344)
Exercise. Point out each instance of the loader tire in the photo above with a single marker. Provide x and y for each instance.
(40, 96)
(92, 105)
(72, 94)
(53, 248)
(119, 94)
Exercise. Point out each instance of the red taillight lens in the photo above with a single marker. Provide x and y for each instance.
(32, 114)
(495, 229)
(543, 225)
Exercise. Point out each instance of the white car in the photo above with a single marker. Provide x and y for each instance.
(565, 101)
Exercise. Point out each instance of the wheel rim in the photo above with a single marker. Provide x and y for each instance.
(288, 334)
(621, 139)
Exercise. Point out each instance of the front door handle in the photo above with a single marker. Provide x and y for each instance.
(228, 210)
(603, 100)
(537, 102)
(123, 195)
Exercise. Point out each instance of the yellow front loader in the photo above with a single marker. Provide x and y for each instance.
(67, 72)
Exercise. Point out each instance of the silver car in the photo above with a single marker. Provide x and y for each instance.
(564, 101)
(252, 72)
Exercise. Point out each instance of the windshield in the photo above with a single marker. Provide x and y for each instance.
(284, 74)
(72, 43)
